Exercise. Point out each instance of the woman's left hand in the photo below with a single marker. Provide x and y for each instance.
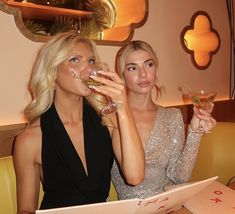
(202, 119)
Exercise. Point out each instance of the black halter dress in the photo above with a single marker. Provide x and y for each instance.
(65, 182)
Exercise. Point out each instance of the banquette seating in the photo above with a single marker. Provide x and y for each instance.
(216, 157)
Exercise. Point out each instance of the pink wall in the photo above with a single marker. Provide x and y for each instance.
(162, 29)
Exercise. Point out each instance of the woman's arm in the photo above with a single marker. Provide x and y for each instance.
(128, 148)
(184, 155)
(127, 144)
(25, 153)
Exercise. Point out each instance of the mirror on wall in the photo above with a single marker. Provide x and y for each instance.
(200, 40)
(106, 21)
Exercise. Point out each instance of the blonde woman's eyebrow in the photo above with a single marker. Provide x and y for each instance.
(132, 63)
(136, 63)
(75, 55)
(148, 60)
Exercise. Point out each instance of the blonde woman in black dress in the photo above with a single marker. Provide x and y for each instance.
(66, 145)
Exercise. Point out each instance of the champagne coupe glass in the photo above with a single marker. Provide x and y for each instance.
(200, 98)
(92, 70)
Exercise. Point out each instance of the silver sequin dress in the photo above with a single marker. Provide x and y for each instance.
(169, 158)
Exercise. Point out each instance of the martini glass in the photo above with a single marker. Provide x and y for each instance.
(92, 70)
(201, 99)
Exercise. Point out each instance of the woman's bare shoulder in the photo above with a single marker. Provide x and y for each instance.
(27, 149)
(30, 132)
(29, 138)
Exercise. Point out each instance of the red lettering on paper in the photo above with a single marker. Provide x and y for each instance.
(218, 192)
(161, 207)
(150, 202)
(216, 200)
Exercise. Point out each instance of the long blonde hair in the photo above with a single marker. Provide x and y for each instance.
(135, 45)
(45, 71)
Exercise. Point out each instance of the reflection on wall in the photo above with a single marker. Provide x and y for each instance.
(110, 20)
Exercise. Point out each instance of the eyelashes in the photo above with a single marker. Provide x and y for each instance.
(75, 59)
(137, 68)
(91, 61)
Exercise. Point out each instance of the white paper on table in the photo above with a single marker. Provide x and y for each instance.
(164, 202)
(215, 198)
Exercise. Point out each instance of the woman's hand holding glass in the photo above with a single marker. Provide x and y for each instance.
(99, 78)
(202, 120)
(112, 87)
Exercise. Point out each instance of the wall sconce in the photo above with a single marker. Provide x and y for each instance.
(200, 40)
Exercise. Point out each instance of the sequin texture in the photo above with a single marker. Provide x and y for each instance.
(169, 158)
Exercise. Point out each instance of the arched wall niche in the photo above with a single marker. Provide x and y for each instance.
(200, 40)
(108, 22)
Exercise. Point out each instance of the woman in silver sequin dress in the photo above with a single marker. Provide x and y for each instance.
(169, 155)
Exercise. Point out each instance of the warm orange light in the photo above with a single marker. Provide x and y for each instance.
(201, 40)
(120, 18)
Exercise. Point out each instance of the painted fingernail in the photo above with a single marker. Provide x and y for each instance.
(91, 87)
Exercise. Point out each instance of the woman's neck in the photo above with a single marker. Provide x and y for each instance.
(70, 110)
(141, 103)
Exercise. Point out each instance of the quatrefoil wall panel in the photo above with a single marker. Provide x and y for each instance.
(200, 40)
